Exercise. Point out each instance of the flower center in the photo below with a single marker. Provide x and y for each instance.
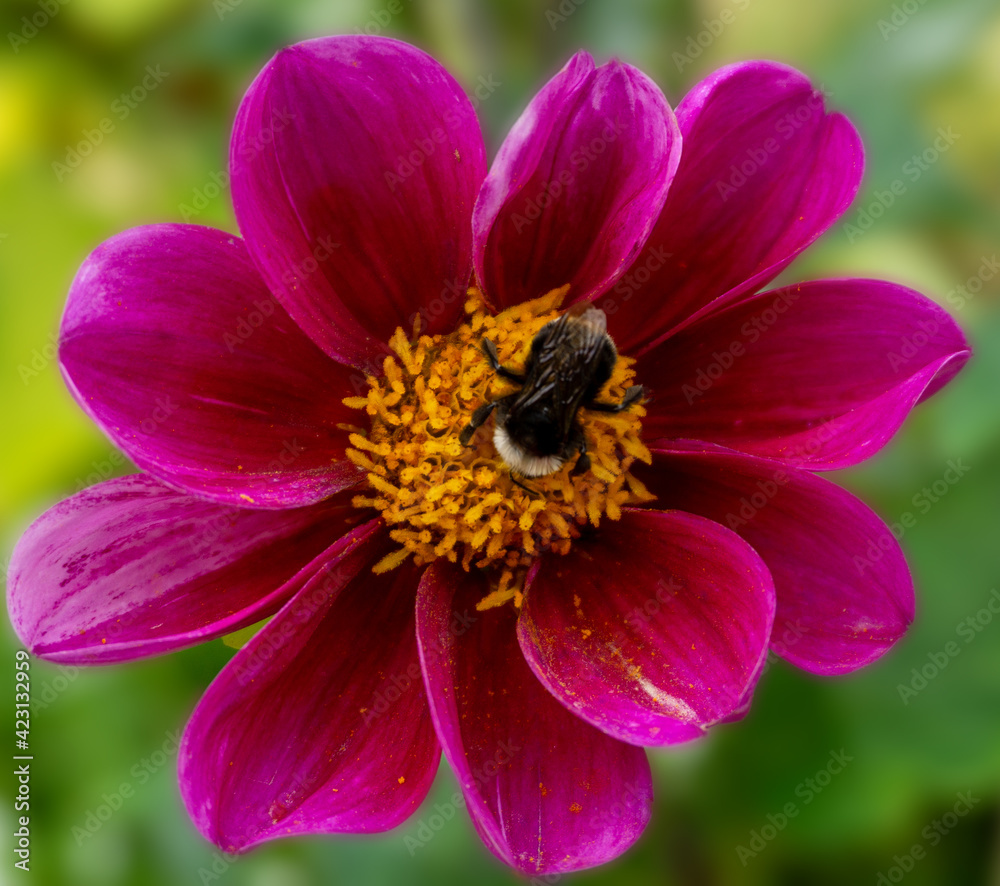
(441, 498)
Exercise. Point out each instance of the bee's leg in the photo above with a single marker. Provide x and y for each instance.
(579, 442)
(478, 417)
(490, 350)
(527, 489)
(632, 395)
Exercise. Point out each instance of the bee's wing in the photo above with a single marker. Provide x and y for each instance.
(563, 357)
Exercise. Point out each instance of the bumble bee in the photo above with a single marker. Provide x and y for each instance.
(571, 359)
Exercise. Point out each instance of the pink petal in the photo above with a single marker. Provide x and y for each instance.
(577, 185)
(765, 170)
(844, 592)
(130, 568)
(653, 629)
(355, 165)
(320, 723)
(171, 343)
(819, 374)
(547, 792)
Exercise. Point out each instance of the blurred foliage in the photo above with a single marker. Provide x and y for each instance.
(898, 75)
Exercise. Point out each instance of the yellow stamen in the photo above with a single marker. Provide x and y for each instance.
(445, 500)
(390, 561)
(507, 589)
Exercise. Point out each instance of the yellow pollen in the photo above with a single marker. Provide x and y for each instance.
(442, 499)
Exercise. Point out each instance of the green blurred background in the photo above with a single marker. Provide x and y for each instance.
(899, 71)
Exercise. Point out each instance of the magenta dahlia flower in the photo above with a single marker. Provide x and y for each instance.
(296, 401)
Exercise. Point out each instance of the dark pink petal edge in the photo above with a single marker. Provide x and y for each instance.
(844, 592)
(764, 172)
(355, 165)
(547, 792)
(131, 568)
(653, 629)
(172, 344)
(577, 184)
(320, 723)
(818, 374)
